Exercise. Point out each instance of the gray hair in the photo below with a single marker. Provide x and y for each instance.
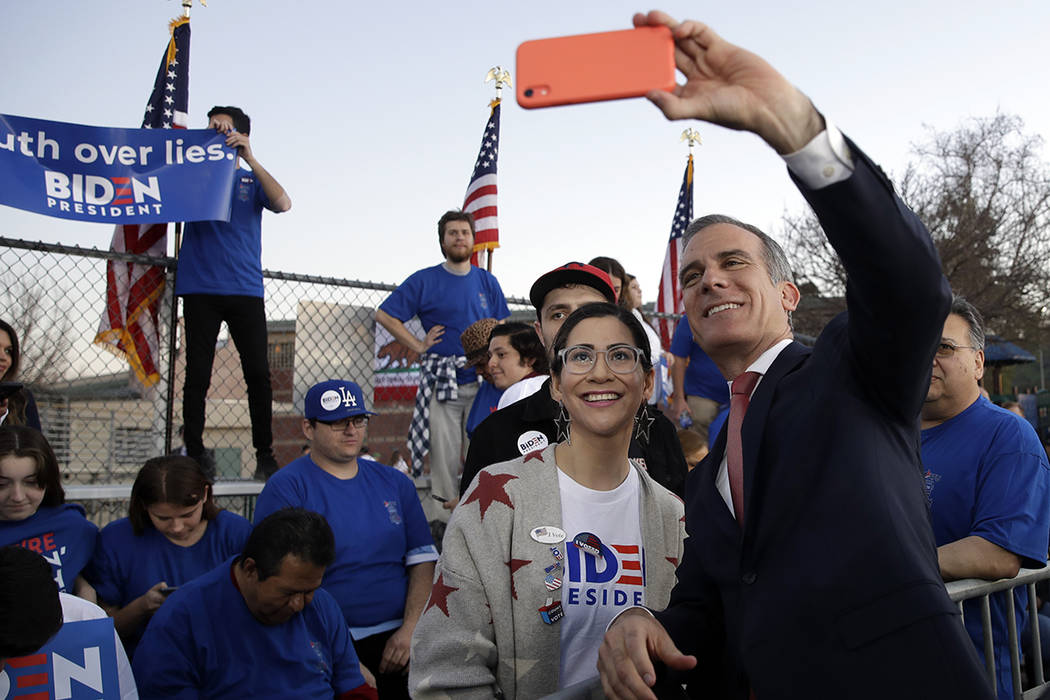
(772, 254)
(969, 313)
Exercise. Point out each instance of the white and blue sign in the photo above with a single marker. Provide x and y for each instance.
(79, 663)
(118, 176)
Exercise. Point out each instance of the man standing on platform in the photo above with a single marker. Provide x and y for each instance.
(220, 279)
(447, 298)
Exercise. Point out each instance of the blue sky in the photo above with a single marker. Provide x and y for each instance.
(371, 114)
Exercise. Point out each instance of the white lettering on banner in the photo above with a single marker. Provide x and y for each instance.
(96, 192)
(65, 671)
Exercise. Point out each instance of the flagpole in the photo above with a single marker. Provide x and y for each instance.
(502, 77)
(173, 324)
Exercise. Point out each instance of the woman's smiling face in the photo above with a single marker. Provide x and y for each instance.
(602, 402)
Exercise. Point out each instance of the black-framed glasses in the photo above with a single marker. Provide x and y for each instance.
(341, 425)
(580, 359)
(946, 349)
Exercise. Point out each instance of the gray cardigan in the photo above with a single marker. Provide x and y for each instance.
(481, 628)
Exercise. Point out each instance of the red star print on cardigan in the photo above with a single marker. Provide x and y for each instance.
(514, 565)
(439, 595)
(490, 488)
(535, 454)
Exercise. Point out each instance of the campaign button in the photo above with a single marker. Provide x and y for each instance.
(552, 582)
(589, 543)
(548, 534)
(551, 612)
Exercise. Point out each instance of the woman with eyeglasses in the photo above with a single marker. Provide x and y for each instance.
(543, 551)
(384, 552)
(174, 532)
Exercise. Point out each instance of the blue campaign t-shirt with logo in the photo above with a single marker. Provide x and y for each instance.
(127, 565)
(62, 535)
(225, 257)
(987, 475)
(205, 643)
(702, 377)
(379, 527)
(485, 402)
(441, 298)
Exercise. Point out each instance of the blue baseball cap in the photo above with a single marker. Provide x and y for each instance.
(334, 400)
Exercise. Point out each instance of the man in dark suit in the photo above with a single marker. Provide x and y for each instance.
(810, 569)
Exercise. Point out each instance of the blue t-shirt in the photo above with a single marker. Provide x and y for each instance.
(204, 643)
(127, 565)
(225, 257)
(485, 403)
(63, 535)
(439, 297)
(988, 475)
(702, 377)
(379, 527)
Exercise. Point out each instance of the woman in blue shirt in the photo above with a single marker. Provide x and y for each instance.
(33, 509)
(174, 532)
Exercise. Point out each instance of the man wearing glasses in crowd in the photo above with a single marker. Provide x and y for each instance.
(384, 561)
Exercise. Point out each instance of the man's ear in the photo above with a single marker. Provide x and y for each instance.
(308, 430)
(789, 296)
(979, 364)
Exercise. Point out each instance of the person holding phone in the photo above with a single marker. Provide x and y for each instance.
(173, 533)
(810, 569)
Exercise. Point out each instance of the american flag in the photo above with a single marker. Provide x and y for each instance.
(129, 325)
(669, 300)
(481, 192)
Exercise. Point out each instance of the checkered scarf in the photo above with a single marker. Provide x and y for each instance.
(437, 374)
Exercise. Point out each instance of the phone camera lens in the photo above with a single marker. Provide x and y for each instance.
(528, 93)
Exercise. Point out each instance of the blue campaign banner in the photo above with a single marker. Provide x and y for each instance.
(119, 176)
(79, 663)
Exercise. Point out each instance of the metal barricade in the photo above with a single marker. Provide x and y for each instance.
(968, 589)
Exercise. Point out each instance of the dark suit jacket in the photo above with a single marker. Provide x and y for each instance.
(832, 589)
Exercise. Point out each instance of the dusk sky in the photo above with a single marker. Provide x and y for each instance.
(370, 115)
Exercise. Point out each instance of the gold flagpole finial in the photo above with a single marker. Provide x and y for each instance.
(502, 77)
(187, 4)
(693, 137)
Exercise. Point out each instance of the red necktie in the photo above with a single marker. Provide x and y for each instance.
(741, 396)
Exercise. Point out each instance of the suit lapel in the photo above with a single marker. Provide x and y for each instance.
(758, 414)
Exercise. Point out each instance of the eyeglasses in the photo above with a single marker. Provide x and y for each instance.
(580, 359)
(946, 349)
(340, 426)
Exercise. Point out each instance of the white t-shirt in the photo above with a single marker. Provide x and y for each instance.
(76, 609)
(520, 389)
(596, 589)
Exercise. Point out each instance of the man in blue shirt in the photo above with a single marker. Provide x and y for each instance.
(447, 298)
(699, 387)
(257, 626)
(988, 481)
(220, 279)
(384, 555)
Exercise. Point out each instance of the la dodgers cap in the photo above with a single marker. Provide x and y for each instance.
(334, 400)
(572, 273)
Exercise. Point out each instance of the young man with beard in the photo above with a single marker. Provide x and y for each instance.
(447, 298)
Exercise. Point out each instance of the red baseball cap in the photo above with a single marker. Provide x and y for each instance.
(571, 273)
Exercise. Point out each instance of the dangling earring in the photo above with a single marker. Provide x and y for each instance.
(563, 422)
(643, 420)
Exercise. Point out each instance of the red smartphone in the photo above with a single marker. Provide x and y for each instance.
(595, 67)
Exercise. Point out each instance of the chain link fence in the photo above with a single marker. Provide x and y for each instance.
(103, 424)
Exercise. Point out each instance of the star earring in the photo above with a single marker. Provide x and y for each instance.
(563, 422)
(643, 421)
